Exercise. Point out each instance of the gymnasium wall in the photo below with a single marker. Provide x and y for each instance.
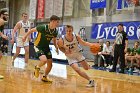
(17, 7)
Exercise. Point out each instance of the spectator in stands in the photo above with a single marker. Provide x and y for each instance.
(138, 58)
(107, 54)
(97, 57)
(130, 56)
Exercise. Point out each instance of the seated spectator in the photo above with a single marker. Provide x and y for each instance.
(97, 57)
(137, 56)
(106, 55)
(131, 55)
(128, 56)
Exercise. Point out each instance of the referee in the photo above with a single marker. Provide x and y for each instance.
(120, 47)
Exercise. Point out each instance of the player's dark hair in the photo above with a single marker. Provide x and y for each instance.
(54, 17)
(24, 14)
(2, 12)
(69, 26)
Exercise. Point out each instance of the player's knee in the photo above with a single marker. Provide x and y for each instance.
(43, 59)
(86, 68)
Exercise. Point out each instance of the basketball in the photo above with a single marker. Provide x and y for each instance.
(95, 48)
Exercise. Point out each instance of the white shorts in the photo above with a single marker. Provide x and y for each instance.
(75, 58)
(20, 43)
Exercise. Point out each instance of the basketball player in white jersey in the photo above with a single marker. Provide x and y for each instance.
(70, 45)
(22, 27)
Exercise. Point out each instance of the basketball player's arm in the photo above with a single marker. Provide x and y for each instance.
(29, 37)
(126, 45)
(1, 34)
(82, 42)
(17, 26)
(60, 45)
(28, 33)
(55, 44)
(113, 46)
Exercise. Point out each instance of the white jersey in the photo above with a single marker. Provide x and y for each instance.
(24, 28)
(22, 31)
(75, 55)
(73, 45)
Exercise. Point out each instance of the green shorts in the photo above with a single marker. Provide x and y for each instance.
(43, 51)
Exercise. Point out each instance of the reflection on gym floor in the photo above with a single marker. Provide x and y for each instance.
(20, 79)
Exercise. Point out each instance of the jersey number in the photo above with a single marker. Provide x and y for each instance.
(26, 30)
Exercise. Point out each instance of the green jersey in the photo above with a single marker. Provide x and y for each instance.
(1, 28)
(128, 50)
(44, 36)
(134, 51)
(138, 51)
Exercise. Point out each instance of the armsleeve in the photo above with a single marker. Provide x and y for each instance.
(40, 28)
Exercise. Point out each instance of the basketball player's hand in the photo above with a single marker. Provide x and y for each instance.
(23, 39)
(5, 37)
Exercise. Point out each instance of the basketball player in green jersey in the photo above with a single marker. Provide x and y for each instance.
(3, 18)
(22, 27)
(46, 33)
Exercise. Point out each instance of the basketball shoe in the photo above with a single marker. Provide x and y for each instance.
(1, 77)
(90, 84)
(36, 72)
(45, 79)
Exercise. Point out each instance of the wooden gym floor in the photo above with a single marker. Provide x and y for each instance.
(18, 79)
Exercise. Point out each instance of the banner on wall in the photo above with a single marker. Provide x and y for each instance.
(58, 7)
(121, 4)
(8, 32)
(48, 8)
(108, 30)
(97, 4)
(40, 8)
(68, 7)
(32, 9)
(61, 30)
